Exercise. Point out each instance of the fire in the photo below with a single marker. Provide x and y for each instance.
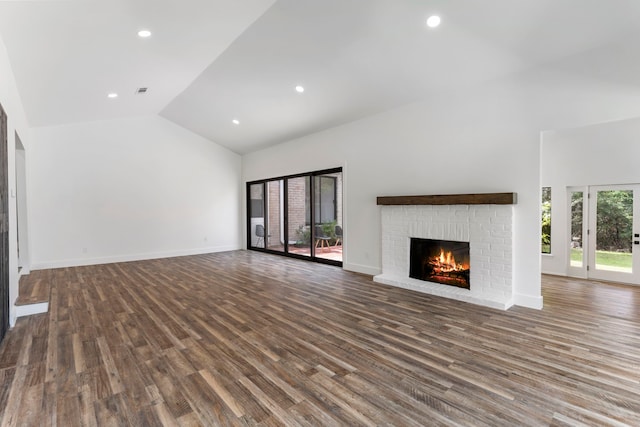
(446, 263)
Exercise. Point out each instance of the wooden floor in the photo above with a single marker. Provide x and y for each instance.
(245, 338)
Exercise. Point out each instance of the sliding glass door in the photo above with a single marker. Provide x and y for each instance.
(328, 216)
(275, 215)
(298, 216)
(255, 215)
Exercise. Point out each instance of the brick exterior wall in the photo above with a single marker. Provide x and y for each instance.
(298, 189)
(487, 228)
(273, 209)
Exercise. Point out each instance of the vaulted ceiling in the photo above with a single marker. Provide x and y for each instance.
(209, 62)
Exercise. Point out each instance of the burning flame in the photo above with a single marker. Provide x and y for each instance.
(446, 263)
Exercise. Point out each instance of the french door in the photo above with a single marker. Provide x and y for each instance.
(605, 233)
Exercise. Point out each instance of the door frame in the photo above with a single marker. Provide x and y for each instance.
(589, 225)
(285, 211)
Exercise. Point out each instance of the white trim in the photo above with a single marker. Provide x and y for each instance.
(363, 269)
(128, 258)
(529, 301)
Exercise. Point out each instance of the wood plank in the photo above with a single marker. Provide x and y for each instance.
(451, 199)
(244, 338)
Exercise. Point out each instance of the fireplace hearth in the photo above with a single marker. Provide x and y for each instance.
(440, 261)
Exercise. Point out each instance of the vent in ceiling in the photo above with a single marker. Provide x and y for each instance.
(142, 90)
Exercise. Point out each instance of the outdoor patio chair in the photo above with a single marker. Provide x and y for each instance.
(321, 238)
(338, 235)
(260, 234)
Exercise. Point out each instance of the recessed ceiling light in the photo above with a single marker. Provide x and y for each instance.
(299, 89)
(112, 95)
(235, 121)
(433, 21)
(144, 33)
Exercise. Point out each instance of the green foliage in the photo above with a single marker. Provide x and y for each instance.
(546, 220)
(611, 259)
(576, 254)
(303, 233)
(614, 220)
(303, 236)
(576, 216)
(614, 259)
(329, 229)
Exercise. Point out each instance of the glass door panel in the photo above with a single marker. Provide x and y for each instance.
(327, 209)
(299, 215)
(614, 214)
(256, 216)
(577, 253)
(275, 216)
(613, 226)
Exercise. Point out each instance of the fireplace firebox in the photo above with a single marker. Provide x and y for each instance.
(440, 261)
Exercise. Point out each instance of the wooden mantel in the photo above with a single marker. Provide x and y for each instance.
(451, 199)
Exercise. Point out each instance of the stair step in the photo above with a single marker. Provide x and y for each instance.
(34, 288)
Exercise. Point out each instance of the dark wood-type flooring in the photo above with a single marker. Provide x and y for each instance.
(246, 338)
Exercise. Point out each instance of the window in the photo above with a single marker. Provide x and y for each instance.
(325, 200)
(546, 220)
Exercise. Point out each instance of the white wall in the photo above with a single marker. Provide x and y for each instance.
(601, 154)
(481, 140)
(17, 122)
(130, 189)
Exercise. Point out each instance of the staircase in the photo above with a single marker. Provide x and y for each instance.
(34, 291)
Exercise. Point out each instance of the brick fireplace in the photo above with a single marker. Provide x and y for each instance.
(485, 221)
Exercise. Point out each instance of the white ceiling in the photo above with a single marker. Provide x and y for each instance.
(210, 61)
(67, 55)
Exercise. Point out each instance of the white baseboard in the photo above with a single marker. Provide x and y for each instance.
(364, 269)
(43, 265)
(528, 301)
(553, 272)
